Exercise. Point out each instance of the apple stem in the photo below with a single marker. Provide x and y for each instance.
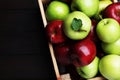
(106, 22)
(83, 30)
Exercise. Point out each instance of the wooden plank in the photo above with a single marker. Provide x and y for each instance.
(50, 45)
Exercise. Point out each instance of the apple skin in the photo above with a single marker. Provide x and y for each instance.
(108, 30)
(83, 52)
(111, 48)
(54, 32)
(90, 70)
(112, 11)
(109, 67)
(100, 52)
(62, 53)
(83, 31)
(92, 34)
(89, 7)
(57, 10)
(103, 4)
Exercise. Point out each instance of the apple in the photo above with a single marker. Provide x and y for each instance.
(83, 52)
(54, 32)
(92, 34)
(112, 11)
(108, 30)
(77, 25)
(100, 52)
(57, 10)
(112, 48)
(109, 67)
(90, 70)
(62, 53)
(89, 7)
(102, 5)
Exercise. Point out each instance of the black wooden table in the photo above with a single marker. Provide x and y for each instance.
(24, 52)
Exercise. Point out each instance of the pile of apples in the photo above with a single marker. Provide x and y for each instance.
(86, 35)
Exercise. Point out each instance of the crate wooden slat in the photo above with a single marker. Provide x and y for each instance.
(50, 45)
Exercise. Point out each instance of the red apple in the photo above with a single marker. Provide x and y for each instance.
(92, 34)
(100, 53)
(62, 53)
(83, 52)
(112, 11)
(54, 32)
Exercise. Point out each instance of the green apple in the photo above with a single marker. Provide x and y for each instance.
(77, 25)
(102, 5)
(109, 67)
(112, 48)
(89, 7)
(57, 10)
(108, 30)
(90, 70)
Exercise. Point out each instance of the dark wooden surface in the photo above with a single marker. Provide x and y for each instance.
(24, 52)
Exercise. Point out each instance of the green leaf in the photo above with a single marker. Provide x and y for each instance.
(76, 24)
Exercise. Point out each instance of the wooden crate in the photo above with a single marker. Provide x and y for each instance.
(59, 76)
